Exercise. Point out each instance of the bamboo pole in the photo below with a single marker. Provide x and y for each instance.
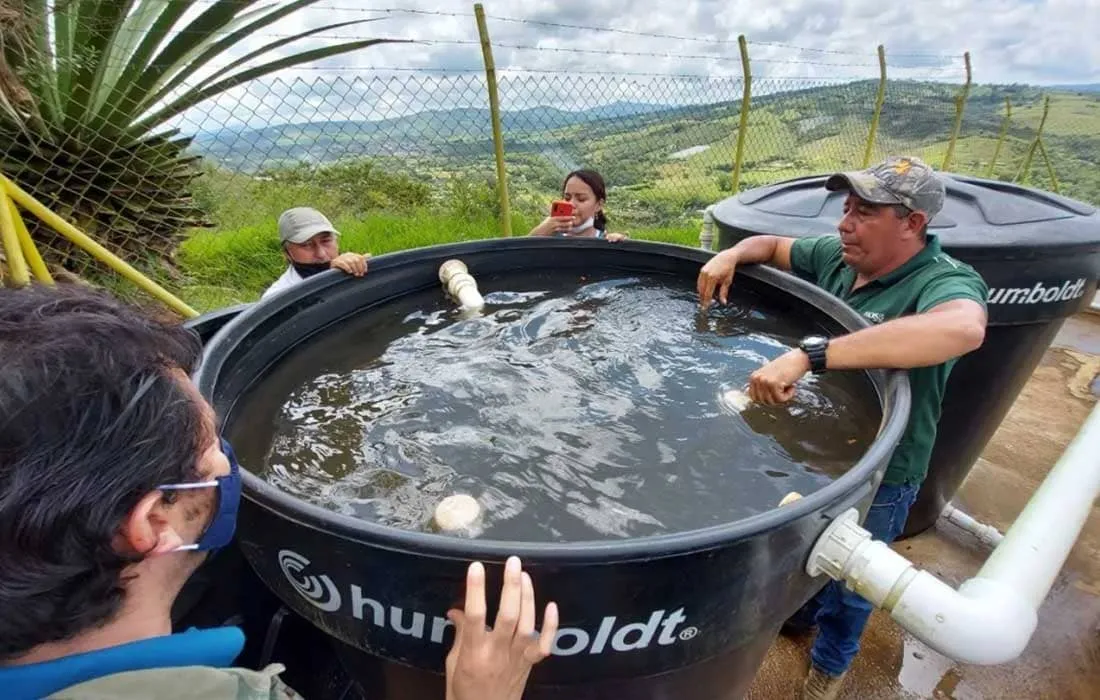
(879, 99)
(1001, 136)
(17, 266)
(30, 251)
(746, 99)
(494, 113)
(960, 106)
(86, 242)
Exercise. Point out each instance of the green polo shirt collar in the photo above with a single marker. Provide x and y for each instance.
(924, 256)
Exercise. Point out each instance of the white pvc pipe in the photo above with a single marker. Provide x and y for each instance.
(461, 285)
(706, 235)
(986, 533)
(991, 617)
(1040, 539)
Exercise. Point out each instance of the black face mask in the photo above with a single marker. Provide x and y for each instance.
(309, 269)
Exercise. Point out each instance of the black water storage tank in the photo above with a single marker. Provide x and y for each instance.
(208, 324)
(684, 615)
(1040, 255)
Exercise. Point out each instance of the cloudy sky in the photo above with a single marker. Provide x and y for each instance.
(573, 53)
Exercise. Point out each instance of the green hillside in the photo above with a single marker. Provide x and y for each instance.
(429, 178)
(665, 163)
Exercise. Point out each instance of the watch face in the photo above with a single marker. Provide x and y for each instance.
(814, 341)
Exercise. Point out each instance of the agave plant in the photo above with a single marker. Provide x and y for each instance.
(90, 86)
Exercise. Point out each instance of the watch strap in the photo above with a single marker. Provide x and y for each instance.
(817, 354)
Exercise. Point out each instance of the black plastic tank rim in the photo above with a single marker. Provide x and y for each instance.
(892, 388)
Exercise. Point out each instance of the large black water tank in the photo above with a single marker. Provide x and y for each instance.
(1039, 253)
(680, 615)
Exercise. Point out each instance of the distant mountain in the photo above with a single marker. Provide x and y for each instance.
(1081, 87)
(455, 130)
(636, 145)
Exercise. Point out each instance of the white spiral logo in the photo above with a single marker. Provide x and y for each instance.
(320, 591)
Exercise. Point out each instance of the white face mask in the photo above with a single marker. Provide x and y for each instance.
(585, 225)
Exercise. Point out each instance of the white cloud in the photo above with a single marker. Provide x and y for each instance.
(542, 60)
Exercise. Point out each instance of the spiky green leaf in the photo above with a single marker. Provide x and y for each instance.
(194, 97)
(105, 77)
(133, 31)
(214, 49)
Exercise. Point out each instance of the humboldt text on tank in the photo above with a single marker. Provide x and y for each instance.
(661, 627)
(1038, 294)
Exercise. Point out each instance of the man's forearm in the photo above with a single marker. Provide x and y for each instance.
(921, 340)
(759, 249)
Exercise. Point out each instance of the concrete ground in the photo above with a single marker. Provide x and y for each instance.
(1063, 658)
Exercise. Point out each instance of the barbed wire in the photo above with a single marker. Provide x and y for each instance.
(610, 30)
(732, 58)
(396, 41)
(614, 30)
(610, 73)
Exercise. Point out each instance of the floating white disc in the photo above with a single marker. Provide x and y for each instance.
(457, 513)
(790, 498)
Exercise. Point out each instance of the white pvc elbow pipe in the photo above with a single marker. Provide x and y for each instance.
(982, 623)
(461, 285)
(990, 619)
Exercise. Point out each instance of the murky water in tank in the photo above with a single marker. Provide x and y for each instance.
(572, 409)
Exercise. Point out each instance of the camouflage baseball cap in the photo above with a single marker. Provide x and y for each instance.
(902, 180)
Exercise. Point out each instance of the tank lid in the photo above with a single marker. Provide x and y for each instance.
(977, 213)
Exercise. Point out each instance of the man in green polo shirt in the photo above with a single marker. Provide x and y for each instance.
(928, 309)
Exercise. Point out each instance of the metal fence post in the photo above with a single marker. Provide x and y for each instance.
(494, 112)
(746, 99)
(1025, 168)
(879, 98)
(1001, 136)
(960, 106)
(1050, 167)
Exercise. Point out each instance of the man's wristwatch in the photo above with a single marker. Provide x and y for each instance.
(815, 346)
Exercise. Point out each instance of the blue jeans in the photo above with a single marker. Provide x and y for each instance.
(839, 613)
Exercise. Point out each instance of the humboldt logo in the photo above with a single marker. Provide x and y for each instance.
(320, 591)
(660, 627)
(1039, 294)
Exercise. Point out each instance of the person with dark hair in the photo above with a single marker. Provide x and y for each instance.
(115, 486)
(586, 191)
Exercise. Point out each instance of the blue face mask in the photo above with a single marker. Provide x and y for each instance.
(220, 531)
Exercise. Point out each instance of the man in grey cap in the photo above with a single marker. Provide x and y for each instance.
(311, 245)
(927, 310)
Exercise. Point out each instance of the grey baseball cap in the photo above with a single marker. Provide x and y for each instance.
(300, 224)
(904, 180)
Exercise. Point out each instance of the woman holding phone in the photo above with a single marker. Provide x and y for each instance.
(579, 213)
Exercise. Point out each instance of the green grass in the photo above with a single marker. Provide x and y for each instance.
(1069, 114)
(233, 266)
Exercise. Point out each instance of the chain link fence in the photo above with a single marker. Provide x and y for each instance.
(401, 158)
